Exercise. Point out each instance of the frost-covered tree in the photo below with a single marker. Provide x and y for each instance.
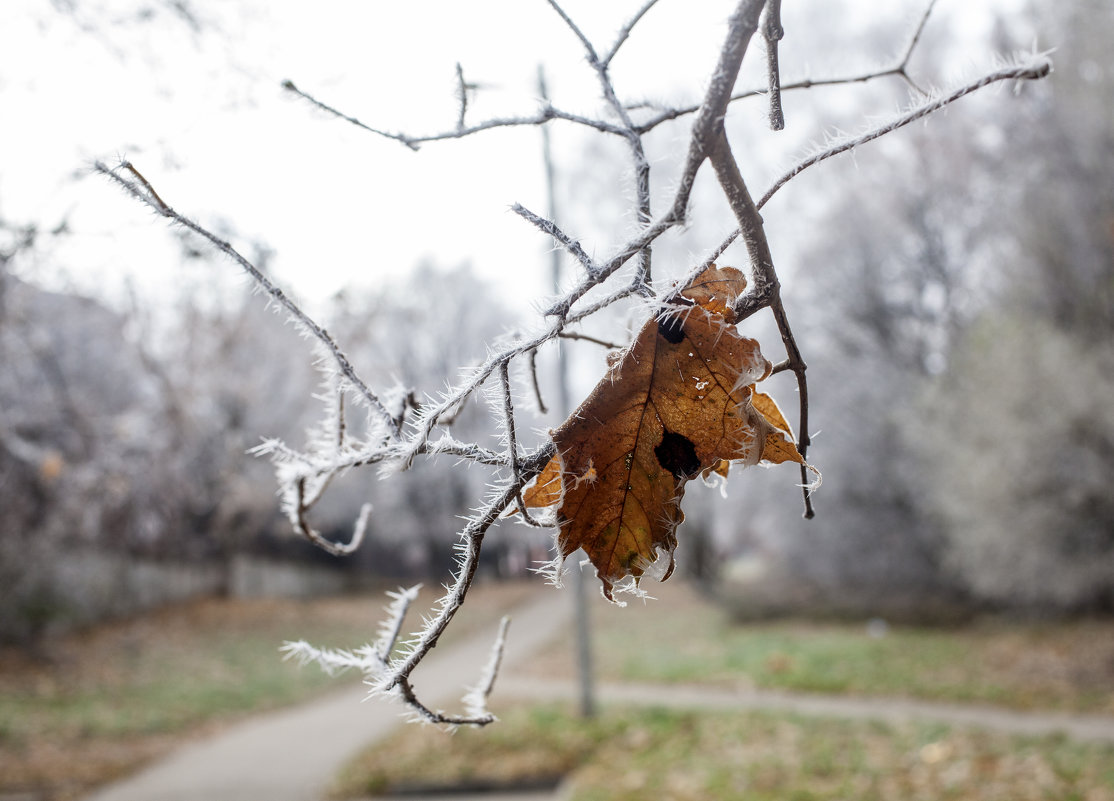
(666, 300)
(1019, 430)
(946, 297)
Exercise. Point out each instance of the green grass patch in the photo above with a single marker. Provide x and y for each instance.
(681, 637)
(639, 753)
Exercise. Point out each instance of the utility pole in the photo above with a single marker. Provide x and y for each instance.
(585, 673)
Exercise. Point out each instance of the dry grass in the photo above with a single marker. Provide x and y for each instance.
(684, 637)
(635, 754)
(97, 704)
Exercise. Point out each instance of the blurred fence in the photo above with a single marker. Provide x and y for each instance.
(82, 587)
(252, 577)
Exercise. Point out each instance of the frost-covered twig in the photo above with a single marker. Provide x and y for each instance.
(512, 442)
(898, 69)
(625, 31)
(471, 540)
(298, 517)
(568, 243)
(462, 90)
(1039, 66)
(533, 357)
(371, 660)
(545, 114)
(140, 189)
(633, 137)
(773, 32)
(375, 663)
(475, 702)
(603, 343)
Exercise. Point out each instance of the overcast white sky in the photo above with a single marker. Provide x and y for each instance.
(202, 114)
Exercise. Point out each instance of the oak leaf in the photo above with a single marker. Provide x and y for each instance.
(678, 403)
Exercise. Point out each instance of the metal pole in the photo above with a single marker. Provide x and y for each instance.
(582, 623)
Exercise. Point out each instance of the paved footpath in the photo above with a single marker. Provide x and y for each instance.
(1093, 728)
(292, 754)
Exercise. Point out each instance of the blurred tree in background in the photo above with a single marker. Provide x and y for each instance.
(960, 326)
(1020, 438)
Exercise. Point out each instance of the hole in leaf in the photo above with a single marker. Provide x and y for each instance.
(677, 454)
(672, 329)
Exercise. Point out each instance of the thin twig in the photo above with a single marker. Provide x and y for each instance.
(533, 356)
(142, 191)
(1039, 68)
(512, 442)
(302, 507)
(546, 114)
(773, 33)
(568, 243)
(902, 66)
(471, 539)
(462, 90)
(593, 58)
(391, 629)
(476, 700)
(634, 288)
(601, 342)
(624, 32)
(290, 87)
(798, 366)
(712, 257)
(899, 69)
(317, 468)
(627, 128)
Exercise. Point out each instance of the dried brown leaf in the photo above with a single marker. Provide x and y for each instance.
(678, 403)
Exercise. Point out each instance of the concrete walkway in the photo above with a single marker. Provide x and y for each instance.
(292, 754)
(1094, 728)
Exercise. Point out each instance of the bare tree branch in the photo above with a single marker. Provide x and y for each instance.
(773, 33)
(634, 139)
(1038, 67)
(139, 188)
(601, 342)
(462, 91)
(709, 119)
(512, 444)
(767, 289)
(471, 541)
(625, 31)
(401, 440)
(302, 526)
(899, 69)
(567, 242)
(546, 114)
(533, 356)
